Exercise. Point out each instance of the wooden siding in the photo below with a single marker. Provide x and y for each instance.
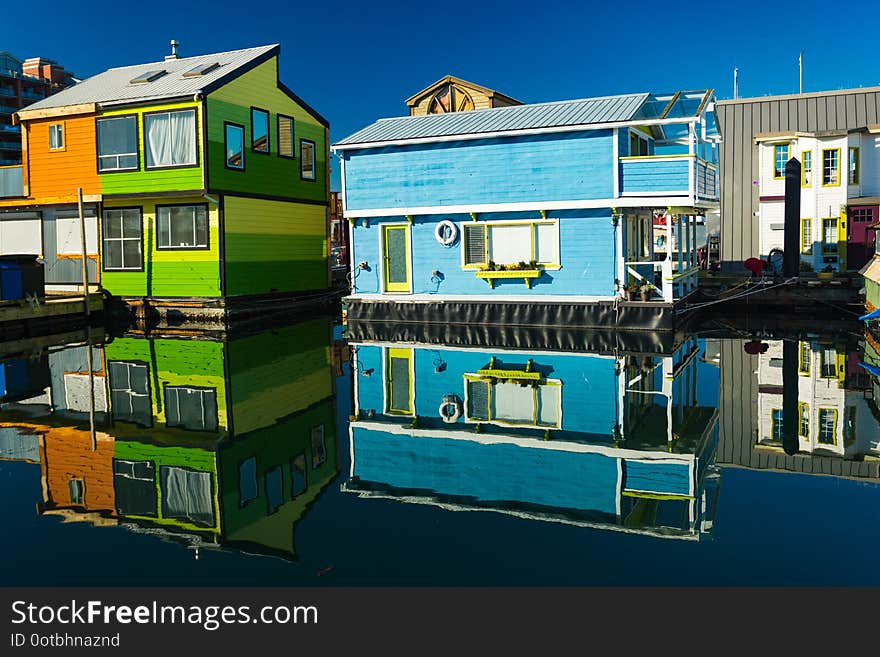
(653, 176)
(54, 176)
(586, 245)
(741, 120)
(160, 180)
(177, 363)
(266, 174)
(554, 167)
(68, 455)
(168, 272)
(274, 246)
(276, 374)
(273, 447)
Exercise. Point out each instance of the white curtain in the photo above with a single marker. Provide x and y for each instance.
(548, 405)
(510, 244)
(513, 402)
(171, 139)
(547, 243)
(186, 495)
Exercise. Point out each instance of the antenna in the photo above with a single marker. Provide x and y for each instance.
(801, 72)
(735, 82)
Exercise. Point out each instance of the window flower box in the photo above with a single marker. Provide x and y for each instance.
(525, 274)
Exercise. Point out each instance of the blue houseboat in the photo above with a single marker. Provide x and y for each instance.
(554, 204)
(618, 442)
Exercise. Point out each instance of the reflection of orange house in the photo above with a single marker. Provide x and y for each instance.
(75, 476)
(452, 94)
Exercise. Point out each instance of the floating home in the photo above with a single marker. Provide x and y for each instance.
(619, 442)
(205, 441)
(540, 213)
(204, 181)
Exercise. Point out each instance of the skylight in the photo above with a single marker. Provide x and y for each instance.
(201, 69)
(148, 76)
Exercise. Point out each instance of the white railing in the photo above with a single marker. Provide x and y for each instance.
(678, 278)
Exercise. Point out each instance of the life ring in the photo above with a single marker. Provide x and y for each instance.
(450, 409)
(446, 232)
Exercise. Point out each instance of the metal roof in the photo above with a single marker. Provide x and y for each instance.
(114, 87)
(606, 109)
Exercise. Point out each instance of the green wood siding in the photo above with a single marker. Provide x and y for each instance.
(169, 272)
(274, 246)
(264, 174)
(159, 180)
(279, 373)
(276, 446)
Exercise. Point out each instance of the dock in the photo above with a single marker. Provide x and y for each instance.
(40, 316)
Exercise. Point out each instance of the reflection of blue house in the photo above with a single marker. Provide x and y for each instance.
(552, 202)
(585, 438)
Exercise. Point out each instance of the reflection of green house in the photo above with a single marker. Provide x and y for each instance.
(230, 438)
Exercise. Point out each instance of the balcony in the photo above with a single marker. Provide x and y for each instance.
(11, 182)
(669, 176)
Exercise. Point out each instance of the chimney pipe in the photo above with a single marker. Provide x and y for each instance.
(173, 54)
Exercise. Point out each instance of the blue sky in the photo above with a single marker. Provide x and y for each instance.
(358, 61)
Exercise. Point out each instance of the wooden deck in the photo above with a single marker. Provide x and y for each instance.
(47, 315)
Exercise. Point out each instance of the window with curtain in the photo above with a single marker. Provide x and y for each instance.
(130, 392)
(805, 356)
(117, 141)
(123, 236)
(827, 426)
(191, 408)
(170, 139)
(828, 359)
(806, 236)
(512, 402)
(234, 144)
(182, 227)
(508, 244)
(285, 136)
(804, 424)
(187, 495)
(807, 169)
(307, 159)
(259, 130)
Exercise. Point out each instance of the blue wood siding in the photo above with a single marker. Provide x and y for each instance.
(658, 477)
(487, 473)
(654, 175)
(563, 166)
(589, 386)
(587, 255)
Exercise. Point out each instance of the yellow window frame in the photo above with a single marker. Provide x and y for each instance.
(804, 364)
(492, 420)
(405, 286)
(852, 165)
(837, 168)
(804, 182)
(807, 231)
(390, 403)
(802, 407)
(787, 148)
(833, 426)
(532, 223)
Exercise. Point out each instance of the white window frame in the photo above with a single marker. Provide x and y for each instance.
(139, 239)
(100, 157)
(519, 222)
(194, 246)
(470, 376)
(56, 134)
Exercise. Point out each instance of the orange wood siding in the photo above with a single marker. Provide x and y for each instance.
(58, 174)
(68, 455)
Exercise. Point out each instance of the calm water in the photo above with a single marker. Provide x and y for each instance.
(309, 455)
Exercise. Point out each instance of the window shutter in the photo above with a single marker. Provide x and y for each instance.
(285, 137)
(474, 245)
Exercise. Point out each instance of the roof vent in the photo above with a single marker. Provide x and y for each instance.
(173, 54)
(148, 76)
(201, 69)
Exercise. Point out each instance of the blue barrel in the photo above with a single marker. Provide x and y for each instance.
(20, 276)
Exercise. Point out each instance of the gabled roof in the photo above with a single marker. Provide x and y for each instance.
(606, 109)
(114, 86)
(412, 100)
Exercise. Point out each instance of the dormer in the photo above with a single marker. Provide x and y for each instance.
(452, 94)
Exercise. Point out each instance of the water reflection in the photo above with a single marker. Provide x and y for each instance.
(613, 440)
(212, 442)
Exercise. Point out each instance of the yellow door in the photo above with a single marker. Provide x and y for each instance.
(395, 246)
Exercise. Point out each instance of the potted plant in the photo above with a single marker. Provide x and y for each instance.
(827, 272)
(630, 291)
(645, 290)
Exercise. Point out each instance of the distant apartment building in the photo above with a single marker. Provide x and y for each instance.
(23, 83)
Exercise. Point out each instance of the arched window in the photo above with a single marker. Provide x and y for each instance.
(451, 98)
